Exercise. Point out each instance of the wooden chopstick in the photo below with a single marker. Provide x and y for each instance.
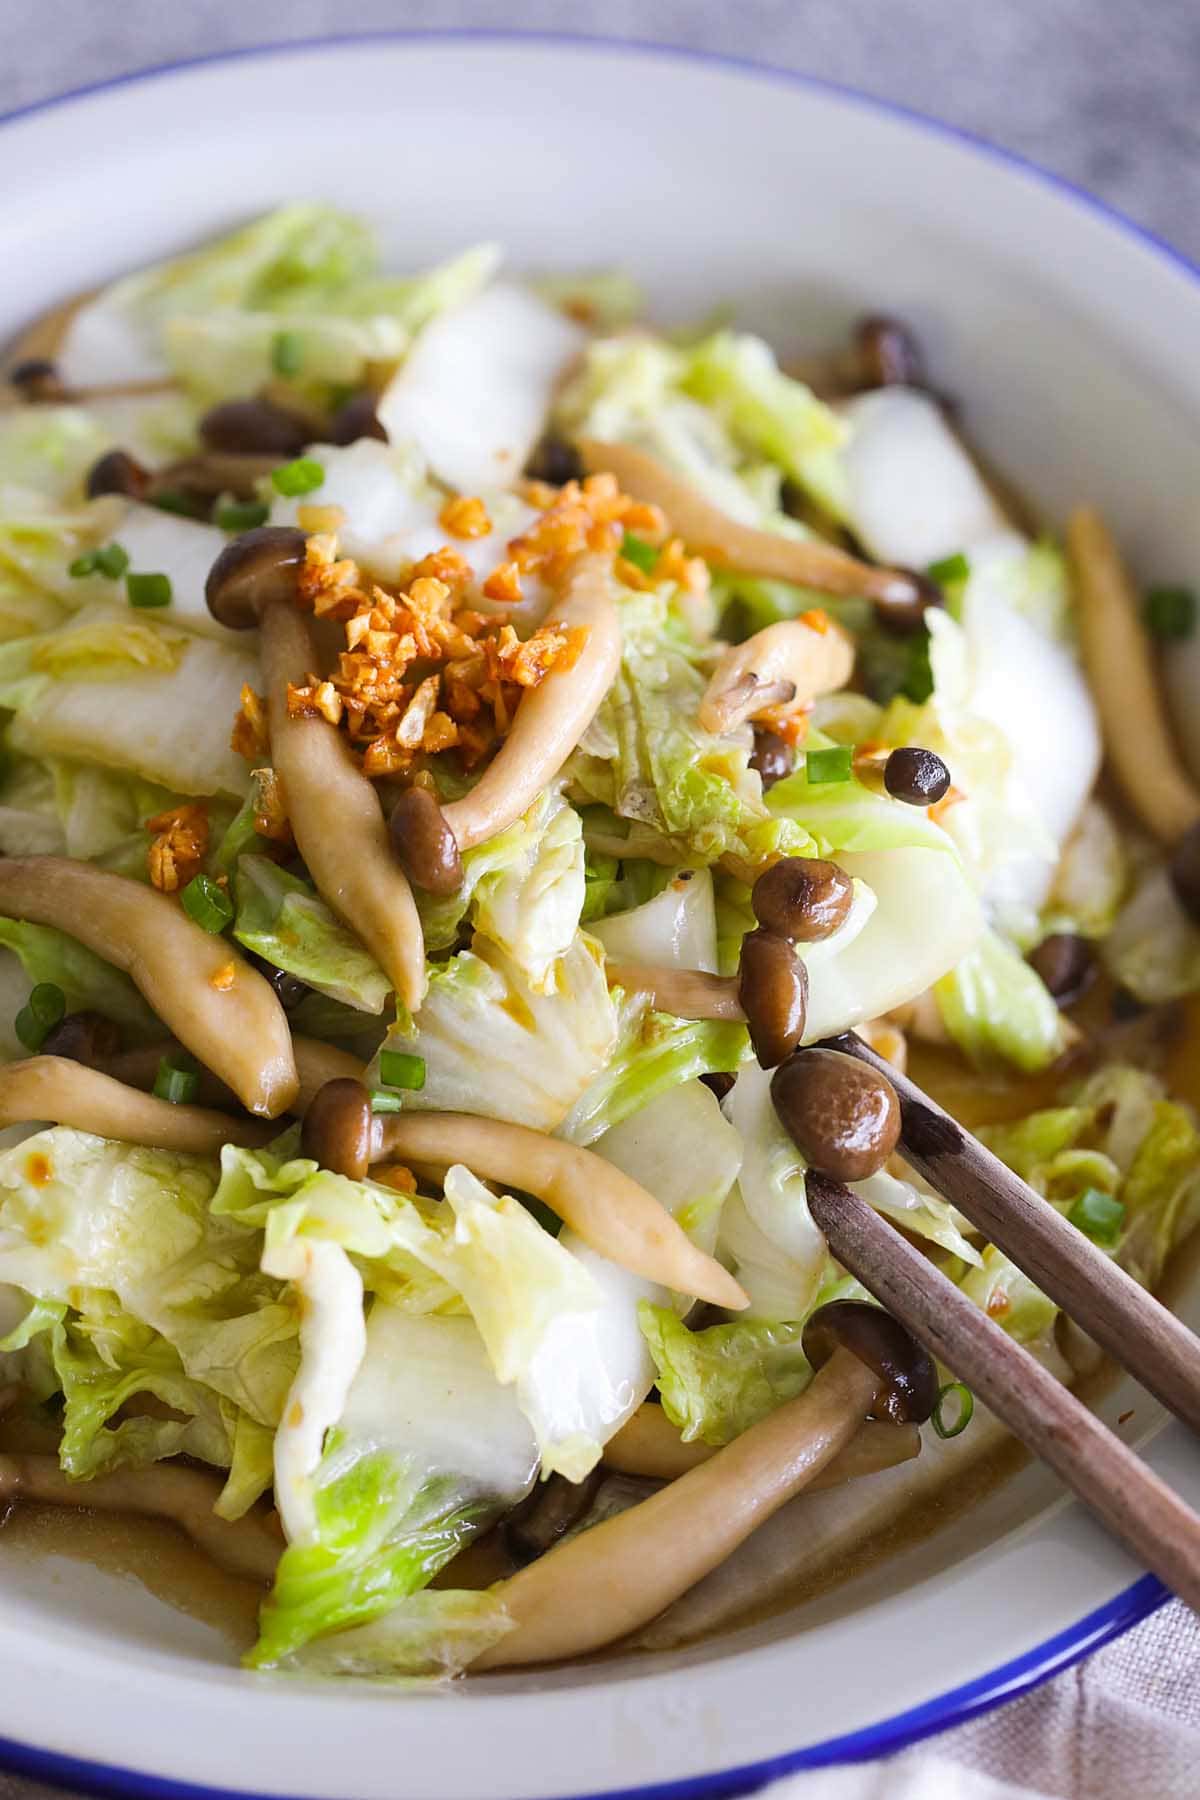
(1134, 1327)
(1156, 1525)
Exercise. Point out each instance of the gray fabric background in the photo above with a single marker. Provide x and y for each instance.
(1100, 93)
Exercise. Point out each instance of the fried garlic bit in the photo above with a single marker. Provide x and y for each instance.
(423, 669)
(179, 845)
(251, 738)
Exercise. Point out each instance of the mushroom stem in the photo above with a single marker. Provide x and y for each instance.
(552, 717)
(200, 986)
(335, 813)
(649, 1445)
(605, 1583)
(249, 1546)
(611, 1212)
(55, 1090)
(1117, 660)
(688, 993)
(728, 544)
(316, 1063)
(784, 667)
(210, 473)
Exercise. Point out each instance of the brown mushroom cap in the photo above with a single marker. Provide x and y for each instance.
(337, 1128)
(908, 1387)
(424, 843)
(888, 352)
(116, 472)
(85, 1037)
(253, 571)
(257, 427)
(803, 898)
(843, 1116)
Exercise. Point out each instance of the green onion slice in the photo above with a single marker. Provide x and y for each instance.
(46, 1005)
(207, 903)
(636, 550)
(397, 1069)
(383, 1102)
(303, 476)
(966, 1406)
(1170, 613)
(1098, 1215)
(176, 1084)
(823, 767)
(148, 590)
(950, 569)
(241, 515)
(287, 353)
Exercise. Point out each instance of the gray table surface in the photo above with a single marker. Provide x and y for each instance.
(1101, 95)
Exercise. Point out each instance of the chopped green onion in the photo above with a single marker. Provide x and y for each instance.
(966, 1406)
(241, 515)
(636, 550)
(397, 1069)
(170, 500)
(207, 903)
(823, 767)
(287, 353)
(917, 685)
(303, 476)
(950, 569)
(112, 560)
(1098, 1216)
(383, 1102)
(46, 1005)
(1170, 612)
(176, 1084)
(148, 590)
(109, 560)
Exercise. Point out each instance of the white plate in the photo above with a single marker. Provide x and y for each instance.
(1076, 344)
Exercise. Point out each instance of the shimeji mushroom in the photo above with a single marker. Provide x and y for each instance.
(608, 1581)
(649, 1445)
(55, 1090)
(781, 669)
(199, 985)
(728, 544)
(1117, 658)
(611, 1212)
(333, 809)
(250, 1546)
(316, 1063)
(549, 723)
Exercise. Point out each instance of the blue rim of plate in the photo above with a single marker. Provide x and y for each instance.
(1126, 1609)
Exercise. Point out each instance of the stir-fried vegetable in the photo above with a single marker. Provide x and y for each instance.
(494, 743)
